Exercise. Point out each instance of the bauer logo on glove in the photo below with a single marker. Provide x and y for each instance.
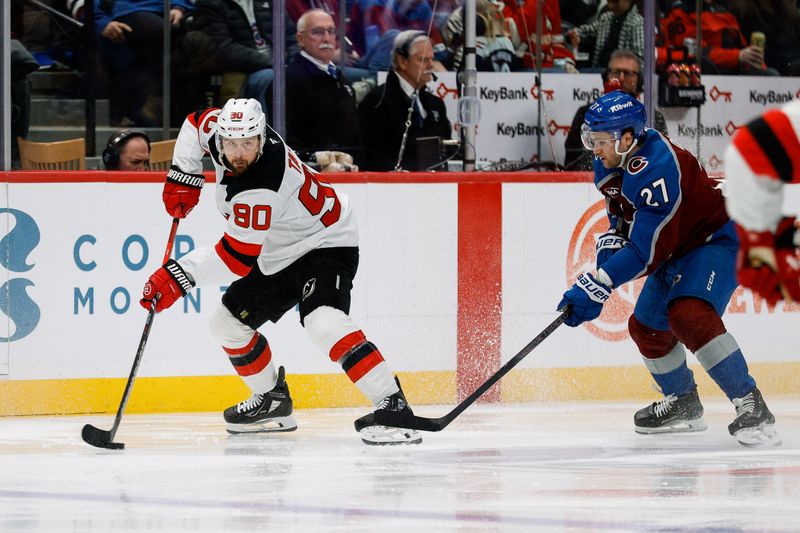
(596, 291)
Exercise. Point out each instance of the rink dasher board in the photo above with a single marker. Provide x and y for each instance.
(85, 270)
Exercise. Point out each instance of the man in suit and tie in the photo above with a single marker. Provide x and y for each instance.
(384, 112)
(321, 112)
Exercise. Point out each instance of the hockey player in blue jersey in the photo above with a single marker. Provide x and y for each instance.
(667, 222)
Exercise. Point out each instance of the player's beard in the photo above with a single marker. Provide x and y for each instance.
(238, 165)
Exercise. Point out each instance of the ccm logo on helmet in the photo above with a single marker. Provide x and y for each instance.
(620, 107)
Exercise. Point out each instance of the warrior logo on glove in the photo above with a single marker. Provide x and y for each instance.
(165, 286)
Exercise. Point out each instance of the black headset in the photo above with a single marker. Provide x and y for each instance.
(405, 47)
(116, 142)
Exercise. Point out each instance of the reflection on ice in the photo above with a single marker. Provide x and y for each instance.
(577, 467)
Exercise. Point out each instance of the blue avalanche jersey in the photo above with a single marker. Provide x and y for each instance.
(663, 201)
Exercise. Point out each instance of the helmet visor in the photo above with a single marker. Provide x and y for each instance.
(247, 145)
(591, 139)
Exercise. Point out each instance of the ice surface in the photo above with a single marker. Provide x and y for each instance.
(530, 467)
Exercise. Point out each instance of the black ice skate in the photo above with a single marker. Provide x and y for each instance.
(754, 424)
(268, 412)
(671, 414)
(372, 433)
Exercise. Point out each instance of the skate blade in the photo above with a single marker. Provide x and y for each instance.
(384, 435)
(685, 426)
(272, 425)
(762, 437)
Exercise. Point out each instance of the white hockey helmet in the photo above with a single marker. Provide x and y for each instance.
(240, 118)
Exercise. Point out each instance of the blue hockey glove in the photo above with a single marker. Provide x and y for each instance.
(608, 244)
(586, 297)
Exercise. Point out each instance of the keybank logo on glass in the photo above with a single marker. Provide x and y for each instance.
(15, 247)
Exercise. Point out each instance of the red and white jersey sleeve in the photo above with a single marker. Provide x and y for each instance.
(193, 141)
(763, 156)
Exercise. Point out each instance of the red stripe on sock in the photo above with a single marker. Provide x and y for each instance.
(345, 344)
(244, 350)
(364, 366)
(256, 366)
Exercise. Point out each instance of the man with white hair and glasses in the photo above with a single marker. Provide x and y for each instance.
(321, 110)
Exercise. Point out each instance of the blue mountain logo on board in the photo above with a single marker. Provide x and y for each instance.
(15, 248)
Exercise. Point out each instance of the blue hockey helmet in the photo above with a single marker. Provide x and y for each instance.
(613, 113)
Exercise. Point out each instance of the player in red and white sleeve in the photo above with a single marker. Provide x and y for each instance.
(290, 240)
(764, 156)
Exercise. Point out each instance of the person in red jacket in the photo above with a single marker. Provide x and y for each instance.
(522, 23)
(724, 48)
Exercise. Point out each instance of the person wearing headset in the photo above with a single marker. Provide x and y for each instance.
(384, 112)
(624, 72)
(127, 150)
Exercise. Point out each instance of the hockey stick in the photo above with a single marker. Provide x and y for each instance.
(395, 419)
(105, 439)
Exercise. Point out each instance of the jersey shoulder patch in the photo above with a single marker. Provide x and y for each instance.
(636, 164)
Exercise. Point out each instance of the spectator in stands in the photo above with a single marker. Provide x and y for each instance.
(130, 43)
(370, 19)
(347, 61)
(127, 150)
(384, 112)
(621, 27)
(623, 73)
(321, 112)
(724, 48)
(494, 49)
(241, 33)
(522, 24)
(779, 21)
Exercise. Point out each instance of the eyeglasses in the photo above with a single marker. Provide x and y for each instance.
(620, 72)
(320, 32)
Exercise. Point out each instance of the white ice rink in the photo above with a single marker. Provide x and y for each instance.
(538, 467)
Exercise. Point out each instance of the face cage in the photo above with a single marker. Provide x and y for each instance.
(589, 142)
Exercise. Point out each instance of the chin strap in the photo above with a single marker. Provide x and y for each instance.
(626, 153)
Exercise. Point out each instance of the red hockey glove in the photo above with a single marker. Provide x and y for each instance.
(768, 264)
(166, 285)
(182, 192)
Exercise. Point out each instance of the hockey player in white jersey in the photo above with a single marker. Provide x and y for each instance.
(290, 239)
(763, 156)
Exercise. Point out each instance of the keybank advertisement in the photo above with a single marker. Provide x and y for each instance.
(509, 127)
(76, 256)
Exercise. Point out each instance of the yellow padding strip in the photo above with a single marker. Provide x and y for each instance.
(199, 393)
(629, 383)
(214, 393)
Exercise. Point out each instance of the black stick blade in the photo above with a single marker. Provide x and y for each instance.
(100, 438)
(399, 420)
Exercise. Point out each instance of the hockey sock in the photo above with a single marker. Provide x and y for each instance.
(679, 381)
(253, 363)
(364, 365)
(723, 360)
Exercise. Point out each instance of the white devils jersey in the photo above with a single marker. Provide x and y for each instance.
(276, 211)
